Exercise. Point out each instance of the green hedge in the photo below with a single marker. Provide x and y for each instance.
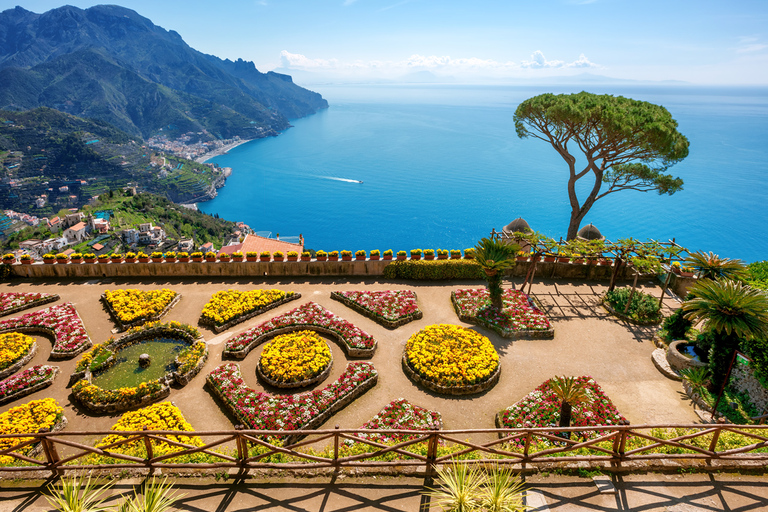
(434, 270)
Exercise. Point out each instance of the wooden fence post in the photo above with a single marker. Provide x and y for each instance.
(432, 452)
(526, 448)
(716, 436)
(150, 454)
(336, 447)
(51, 454)
(242, 446)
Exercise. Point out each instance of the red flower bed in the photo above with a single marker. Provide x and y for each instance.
(388, 306)
(400, 414)
(15, 386)
(22, 300)
(62, 321)
(518, 314)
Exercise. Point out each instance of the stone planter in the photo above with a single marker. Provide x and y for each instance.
(295, 385)
(677, 360)
(453, 390)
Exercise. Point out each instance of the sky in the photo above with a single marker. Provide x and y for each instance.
(701, 42)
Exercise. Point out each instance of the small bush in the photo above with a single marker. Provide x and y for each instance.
(677, 325)
(644, 307)
(433, 270)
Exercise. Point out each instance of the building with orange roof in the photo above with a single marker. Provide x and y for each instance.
(255, 243)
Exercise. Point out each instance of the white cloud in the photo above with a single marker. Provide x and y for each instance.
(539, 61)
(298, 61)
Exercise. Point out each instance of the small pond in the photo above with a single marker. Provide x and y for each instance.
(126, 371)
(692, 352)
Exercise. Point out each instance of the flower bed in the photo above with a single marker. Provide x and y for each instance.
(519, 318)
(295, 360)
(231, 307)
(60, 321)
(188, 364)
(13, 302)
(400, 414)
(390, 308)
(264, 411)
(27, 382)
(451, 359)
(13, 347)
(28, 418)
(541, 408)
(134, 307)
(312, 316)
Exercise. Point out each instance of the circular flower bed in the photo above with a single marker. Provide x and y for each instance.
(451, 359)
(297, 359)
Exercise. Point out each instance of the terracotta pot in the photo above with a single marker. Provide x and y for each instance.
(415, 257)
(360, 258)
(578, 261)
(210, 259)
(561, 259)
(306, 258)
(225, 259)
(455, 256)
(237, 258)
(130, 260)
(346, 258)
(429, 256)
(264, 258)
(143, 260)
(606, 261)
(322, 258)
(184, 259)
(197, 259)
(277, 258)
(26, 262)
(401, 257)
(591, 262)
(490, 272)
(49, 261)
(686, 274)
(377, 257)
(62, 261)
(521, 258)
(333, 258)
(469, 256)
(251, 258)
(157, 260)
(88, 260)
(116, 260)
(549, 259)
(293, 258)
(442, 256)
(9, 261)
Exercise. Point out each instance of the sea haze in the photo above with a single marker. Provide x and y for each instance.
(441, 166)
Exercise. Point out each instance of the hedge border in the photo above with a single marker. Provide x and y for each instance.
(472, 389)
(418, 314)
(247, 316)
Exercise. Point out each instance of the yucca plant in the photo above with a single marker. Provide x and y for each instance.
(711, 266)
(502, 491)
(570, 392)
(697, 377)
(153, 496)
(78, 494)
(458, 488)
(495, 256)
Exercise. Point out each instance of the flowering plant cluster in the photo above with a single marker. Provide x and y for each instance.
(84, 391)
(309, 314)
(13, 346)
(518, 314)
(130, 306)
(451, 356)
(541, 408)
(173, 324)
(23, 300)
(162, 416)
(62, 321)
(230, 304)
(17, 384)
(25, 419)
(93, 359)
(391, 305)
(263, 411)
(295, 357)
(400, 414)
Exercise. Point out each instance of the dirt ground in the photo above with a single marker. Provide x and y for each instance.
(587, 342)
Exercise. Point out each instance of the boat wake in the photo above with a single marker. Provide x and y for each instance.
(339, 179)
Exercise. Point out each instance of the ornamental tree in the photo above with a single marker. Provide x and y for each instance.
(625, 144)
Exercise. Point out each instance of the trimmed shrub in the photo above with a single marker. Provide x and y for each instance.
(677, 325)
(433, 270)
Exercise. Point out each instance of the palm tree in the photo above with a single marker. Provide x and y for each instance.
(495, 256)
(732, 311)
(711, 266)
(571, 392)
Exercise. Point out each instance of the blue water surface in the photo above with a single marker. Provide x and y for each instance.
(441, 166)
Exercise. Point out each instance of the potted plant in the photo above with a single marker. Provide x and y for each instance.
(360, 255)
(265, 256)
(9, 259)
(183, 256)
(89, 257)
(292, 256)
(278, 256)
(429, 254)
(521, 256)
(252, 256)
(157, 256)
(170, 257)
(76, 257)
(455, 254)
(130, 257)
(306, 256)
(61, 258)
(442, 254)
(116, 257)
(415, 254)
(210, 256)
(143, 257)
(346, 255)
(606, 261)
(26, 259)
(563, 255)
(49, 258)
(401, 255)
(237, 256)
(333, 256)
(376, 255)
(223, 256)
(197, 256)
(321, 255)
(103, 258)
(469, 253)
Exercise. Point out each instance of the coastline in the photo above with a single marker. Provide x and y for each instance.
(220, 151)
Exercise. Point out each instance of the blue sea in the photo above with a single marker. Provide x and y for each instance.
(441, 166)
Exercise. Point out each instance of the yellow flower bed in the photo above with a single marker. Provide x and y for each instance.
(13, 346)
(131, 305)
(451, 356)
(162, 416)
(295, 357)
(227, 305)
(27, 418)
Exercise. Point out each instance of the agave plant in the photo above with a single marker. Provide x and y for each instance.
(458, 488)
(495, 256)
(156, 496)
(78, 494)
(502, 491)
(711, 266)
(571, 392)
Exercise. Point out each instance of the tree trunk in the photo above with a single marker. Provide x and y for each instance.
(495, 291)
(615, 274)
(631, 295)
(565, 418)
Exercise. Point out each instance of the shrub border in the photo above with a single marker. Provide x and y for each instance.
(523, 334)
(142, 321)
(44, 300)
(418, 314)
(243, 318)
(471, 389)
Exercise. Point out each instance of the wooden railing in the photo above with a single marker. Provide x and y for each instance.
(250, 449)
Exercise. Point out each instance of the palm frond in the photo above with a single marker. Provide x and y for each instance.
(711, 266)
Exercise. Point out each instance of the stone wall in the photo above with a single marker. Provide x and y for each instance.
(743, 379)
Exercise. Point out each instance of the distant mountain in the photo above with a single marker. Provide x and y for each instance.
(109, 63)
